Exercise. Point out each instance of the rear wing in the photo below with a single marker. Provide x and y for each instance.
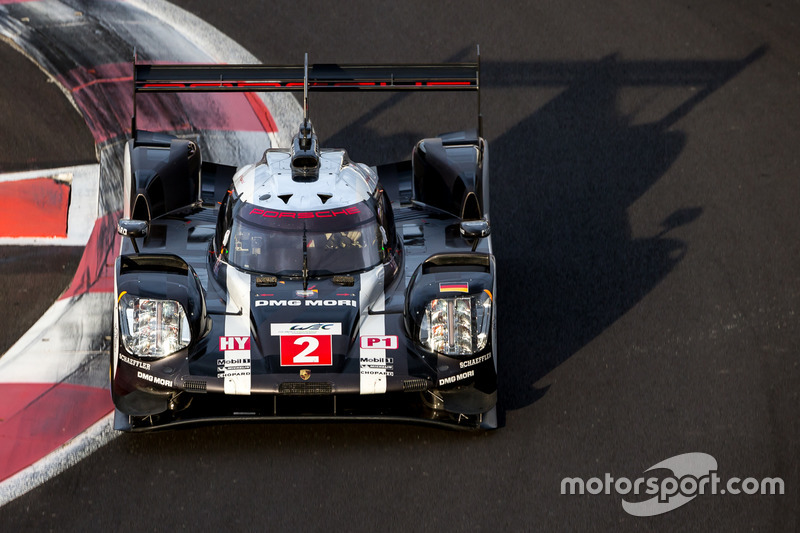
(148, 78)
(321, 77)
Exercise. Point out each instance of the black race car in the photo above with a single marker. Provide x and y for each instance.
(305, 286)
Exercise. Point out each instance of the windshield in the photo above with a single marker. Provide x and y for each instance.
(337, 240)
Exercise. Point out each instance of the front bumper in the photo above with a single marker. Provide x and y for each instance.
(193, 409)
(163, 394)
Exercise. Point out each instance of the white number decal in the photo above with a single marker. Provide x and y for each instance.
(311, 345)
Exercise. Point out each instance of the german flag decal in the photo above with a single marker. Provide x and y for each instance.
(454, 287)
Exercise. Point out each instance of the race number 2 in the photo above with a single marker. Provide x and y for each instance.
(306, 350)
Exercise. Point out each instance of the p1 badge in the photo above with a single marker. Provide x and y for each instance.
(379, 342)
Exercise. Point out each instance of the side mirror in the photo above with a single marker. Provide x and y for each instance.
(133, 229)
(475, 229)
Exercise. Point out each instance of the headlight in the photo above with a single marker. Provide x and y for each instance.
(456, 326)
(153, 328)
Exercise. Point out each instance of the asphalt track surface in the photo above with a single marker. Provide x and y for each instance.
(644, 193)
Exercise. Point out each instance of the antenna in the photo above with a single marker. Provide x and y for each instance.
(478, 80)
(133, 117)
(305, 151)
(306, 130)
(305, 91)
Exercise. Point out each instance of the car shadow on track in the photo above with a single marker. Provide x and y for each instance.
(568, 264)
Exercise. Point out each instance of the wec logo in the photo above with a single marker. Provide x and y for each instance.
(316, 328)
(693, 474)
(312, 327)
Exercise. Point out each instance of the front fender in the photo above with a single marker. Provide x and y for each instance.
(163, 277)
(466, 383)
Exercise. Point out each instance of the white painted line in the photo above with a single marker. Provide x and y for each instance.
(83, 445)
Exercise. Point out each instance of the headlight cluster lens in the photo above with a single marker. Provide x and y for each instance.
(153, 328)
(456, 326)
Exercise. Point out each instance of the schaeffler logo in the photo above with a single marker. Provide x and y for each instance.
(693, 474)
